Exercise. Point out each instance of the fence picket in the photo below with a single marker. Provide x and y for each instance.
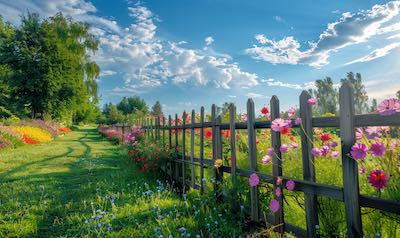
(192, 149)
(184, 151)
(177, 179)
(351, 192)
(232, 116)
(202, 150)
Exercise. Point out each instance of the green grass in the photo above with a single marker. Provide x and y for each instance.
(81, 185)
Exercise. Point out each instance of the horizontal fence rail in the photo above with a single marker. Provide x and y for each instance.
(348, 194)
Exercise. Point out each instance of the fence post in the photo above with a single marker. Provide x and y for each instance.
(219, 173)
(251, 133)
(170, 144)
(349, 165)
(163, 131)
(306, 132)
(192, 148)
(277, 164)
(176, 145)
(232, 116)
(184, 150)
(202, 150)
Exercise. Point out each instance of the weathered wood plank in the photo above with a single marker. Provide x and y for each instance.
(349, 165)
(232, 116)
(202, 151)
(310, 200)
(177, 178)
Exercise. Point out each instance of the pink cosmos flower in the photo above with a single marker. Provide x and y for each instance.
(279, 180)
(274, 205)
(294, 145)
(316, 152)
(359, 133)
(389, 106)
(283, 148)
(361, 170)
(312, 101)
(292, 111)
(378, 179)
(270, 151)
(290, 185)
(279, 124)
(243, 117)
(377, 149)
(335, 154)
(254, 180)
(297, 121)
(324, 150)
(266, 159)
(374, 132)
(359, 151)
(278, 192)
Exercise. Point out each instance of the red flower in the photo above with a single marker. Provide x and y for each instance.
(208, 134)
(325, 137)
(378, 179)
(226, 133)
(285, 131)
(264, 110)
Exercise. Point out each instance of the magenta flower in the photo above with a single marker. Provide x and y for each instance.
(316, 152)
(294, 145)
(274, 205)
(266, 159)
(279, 180)
(312, 101)
(270, 151)
(243, 117)
(361, 170)
(374, 132)
(359, 133)
(378, 179)
(254, 180)
(279, 124)
(377, 149)
(335, 154)
(359, 151)
(333, 144)
(290, 185)
(324, 150)
(297, 121)
(278, 192)
(291, 112)
(283, 148)
(389, 106)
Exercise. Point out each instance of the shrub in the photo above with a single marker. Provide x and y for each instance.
(50, 127)
(14, 137)
(33, 133)
(4, 143)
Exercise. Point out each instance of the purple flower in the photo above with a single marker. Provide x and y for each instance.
(359, 133)
(274, 205)
(324, 150)
(270, 151)
(266, 159)
(297, 121)
(283, 148)
(290, 185)
(335, 154)
(312, 101)
(333, 144)
(389, 106)
(316, 152)
(254, 180)
(359, 151)
(377, 149)
(279, 124)
(278, 192)
(376, 131)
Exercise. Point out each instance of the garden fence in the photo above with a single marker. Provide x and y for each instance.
(347, 121)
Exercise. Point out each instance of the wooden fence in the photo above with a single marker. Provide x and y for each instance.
(346, 122)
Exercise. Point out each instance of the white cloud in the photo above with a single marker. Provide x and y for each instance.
(278, 19)
(377, 53)
(276, 83)
(209, 40)
(232, 96)
(393, 36)
(255, 95)
(105, 73)
(350, 29)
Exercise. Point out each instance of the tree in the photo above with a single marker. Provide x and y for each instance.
(156, 110)
(132, 105)
(360, 95)
(398, 94)
(115, 115)
(374, 106)
(326, 94)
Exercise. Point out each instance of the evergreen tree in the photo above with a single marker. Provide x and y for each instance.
(360, 95)
(326, 94)
(374, 106)
(156, 110)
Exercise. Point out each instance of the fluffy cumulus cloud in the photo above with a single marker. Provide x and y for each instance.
(350, 29)
(136, 52)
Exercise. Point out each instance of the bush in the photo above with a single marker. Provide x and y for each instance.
(14, 137)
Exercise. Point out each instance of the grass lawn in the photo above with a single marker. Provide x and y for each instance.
(80, 185)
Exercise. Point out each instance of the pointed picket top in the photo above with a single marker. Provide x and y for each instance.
(274, 106)
(305, 95)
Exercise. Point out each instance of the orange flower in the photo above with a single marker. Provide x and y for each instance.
(325, 137)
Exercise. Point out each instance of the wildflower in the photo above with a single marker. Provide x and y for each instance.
(218, 163)
(266, 159)
(279, 180)
(325, 137)
(297, 121)
(291, 112)
(389, 106)
(316, 152)
(335, 154)
(377, 149)
(208, 134)
(264, 110)
(254, 180)
(359, 133)
(333, 144)
(274, 205)
(312, 101)
(294, 145)
(324, 150)
(243, 117)
(378, 179)
(270, 151)
(279, 123)
(283, 148)
(359, 151)
(285, 131)
(361, 170)
(290, 185)
(376, 131)
(278, 192)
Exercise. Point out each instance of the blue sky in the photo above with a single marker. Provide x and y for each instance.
(192, 53)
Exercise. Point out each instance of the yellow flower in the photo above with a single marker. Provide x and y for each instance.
(35, 133)
(218, 163)
(328, 114)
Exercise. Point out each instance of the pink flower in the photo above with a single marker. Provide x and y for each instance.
(389, 106)
(270, 151)
(335, 154)
(279, 124)
(359, 151)
(290, 185)
(316, 152)
(312, 101)
(254, 180)
(376, 131)
(324, 150)
(294, 145)
(266, 159)
(243, 117)
(274, 205)
(333, 144)
(279, 180)
(283, 148)
(377, 149)
(359, 133)
(291, 112)
(278, 192)
(297, 121)
(361, 170)
(378, 179)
